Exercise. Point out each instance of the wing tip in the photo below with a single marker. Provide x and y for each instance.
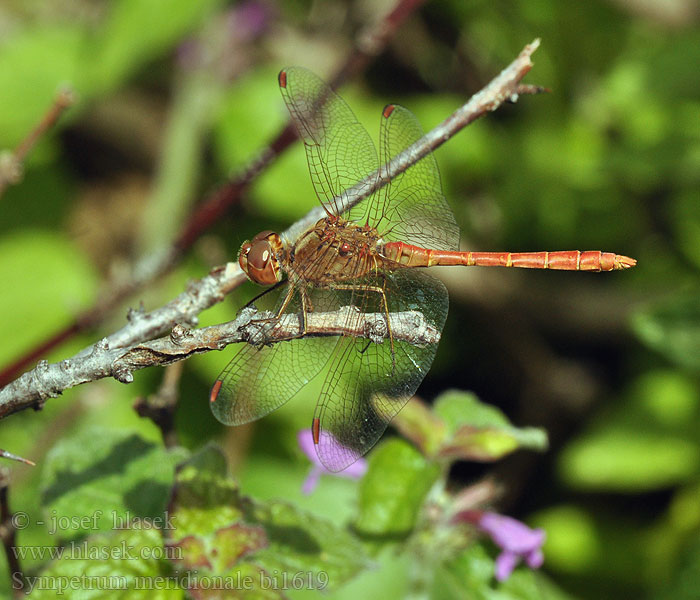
(388, 109)
(214, 393)
(282, 78)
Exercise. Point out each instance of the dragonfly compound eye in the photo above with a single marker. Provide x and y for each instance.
(262, 235)
(344, 249)
(259, 262)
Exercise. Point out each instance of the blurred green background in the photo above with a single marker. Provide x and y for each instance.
(176, 96)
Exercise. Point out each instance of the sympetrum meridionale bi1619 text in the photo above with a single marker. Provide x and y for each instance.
(358, 259)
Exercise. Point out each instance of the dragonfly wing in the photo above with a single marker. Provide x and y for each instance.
(412, 207)
(261, 378)
(339, 150)
(367, 383)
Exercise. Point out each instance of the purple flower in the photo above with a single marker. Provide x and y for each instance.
(306, 443)
(516, 540)
(250, 19)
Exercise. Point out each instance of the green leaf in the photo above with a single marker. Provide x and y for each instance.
(629, 460)
(102, 479)
(649, 441)
(205, 498)
(478, 431)
(470, 443)
(673, 328)
(393, 490)
(473, 570)
(526, 584)
(223, 533)
(221, 551)
(418, 423)
(210, 541)
(121, 564)
(301, 543)
(459, 408)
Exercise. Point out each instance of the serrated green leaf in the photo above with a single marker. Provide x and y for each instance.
(191, 551)
(220, 551)
(393, 490)
(673, 328)
(225, 532)
(303, 544)
(205, 498)
(116, 565)
(526, 584)
(473, 570)
(236, 541)
(101, 479)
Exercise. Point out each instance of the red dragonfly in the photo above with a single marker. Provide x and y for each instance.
(362, 258)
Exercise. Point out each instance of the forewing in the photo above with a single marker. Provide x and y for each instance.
(339, 150)
(412, 207)
(367, 383)
(260, 379)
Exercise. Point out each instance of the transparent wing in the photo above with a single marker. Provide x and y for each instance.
(339, 150)
(412, 208)
(367, 383)
(260, 379)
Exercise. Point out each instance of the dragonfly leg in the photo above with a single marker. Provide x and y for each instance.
(385, 306)
(306, 306)
(275, 319)
(261, 294)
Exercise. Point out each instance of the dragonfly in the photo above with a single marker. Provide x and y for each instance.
(364, 257)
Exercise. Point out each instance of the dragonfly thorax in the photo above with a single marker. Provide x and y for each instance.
(259, 258)
(333, 250)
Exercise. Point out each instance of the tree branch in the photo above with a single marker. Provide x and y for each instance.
(102, 360)
(368, 44)
(46, 381)
(11, 456)
(504, 87)
(11, 163)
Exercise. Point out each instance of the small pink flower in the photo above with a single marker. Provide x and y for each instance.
(516, 540)
(306, 442)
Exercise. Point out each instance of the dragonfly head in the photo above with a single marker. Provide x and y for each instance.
(258, 258)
